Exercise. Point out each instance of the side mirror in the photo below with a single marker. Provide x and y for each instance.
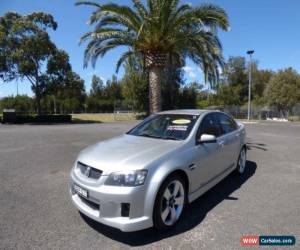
(206, 138)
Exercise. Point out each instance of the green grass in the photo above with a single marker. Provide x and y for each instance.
(103, 117)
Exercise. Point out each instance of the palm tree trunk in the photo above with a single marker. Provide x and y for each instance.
(155, 62)
(155, 74)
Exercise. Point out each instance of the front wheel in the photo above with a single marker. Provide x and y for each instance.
(241, 165)
(169, 203)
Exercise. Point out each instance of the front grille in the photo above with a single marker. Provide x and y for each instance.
(88, 171)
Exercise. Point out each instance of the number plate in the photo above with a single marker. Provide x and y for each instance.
(81, 191)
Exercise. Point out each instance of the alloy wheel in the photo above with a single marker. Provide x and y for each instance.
(172, 202)
(242, 161)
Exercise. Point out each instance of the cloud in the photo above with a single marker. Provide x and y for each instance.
(91, 73)
(103, 79)
(190, 71)
(94, 72)
(219, 69)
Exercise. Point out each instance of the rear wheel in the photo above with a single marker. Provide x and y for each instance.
(241, 165)
(169, 203)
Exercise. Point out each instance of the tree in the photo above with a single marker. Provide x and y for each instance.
(234, 87)
(21, 103)
(134, 85)
(159, 30)
(188, 96)
(112, 89)
(97, 86)
(102, 97)
(228, 95)
(26, 49)
(172, 80)
(260, 79)
(68, 94)
(283, 90)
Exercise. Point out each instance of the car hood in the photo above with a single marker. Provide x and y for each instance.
(126, 152)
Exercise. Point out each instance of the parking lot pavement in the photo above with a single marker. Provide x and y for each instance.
(36, 212)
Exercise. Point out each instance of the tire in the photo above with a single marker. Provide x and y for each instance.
(169, 206)
(241, 164)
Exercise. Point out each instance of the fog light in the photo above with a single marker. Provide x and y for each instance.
(125, 209)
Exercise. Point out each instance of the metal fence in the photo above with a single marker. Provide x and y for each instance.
(262, 112)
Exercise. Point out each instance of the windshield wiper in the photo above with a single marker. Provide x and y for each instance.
(159, 137)
(148, 135)
(171, 138)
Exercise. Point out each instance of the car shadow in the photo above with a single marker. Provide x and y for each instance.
(255, 145)
(193, 216)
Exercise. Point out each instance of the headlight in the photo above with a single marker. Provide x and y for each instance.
(127, 178)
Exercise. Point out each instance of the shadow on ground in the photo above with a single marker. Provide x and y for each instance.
(79, 121)
(74, 121)
(255, 145)
(194, 214)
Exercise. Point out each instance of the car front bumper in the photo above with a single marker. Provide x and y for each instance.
(104, 204)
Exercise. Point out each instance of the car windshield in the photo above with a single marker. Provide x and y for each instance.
(166, 126)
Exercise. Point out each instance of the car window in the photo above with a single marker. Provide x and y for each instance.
(226, 123)
(208, 126)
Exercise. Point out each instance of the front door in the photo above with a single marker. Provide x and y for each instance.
(207, 157)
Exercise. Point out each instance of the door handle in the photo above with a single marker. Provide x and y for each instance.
(192, 166)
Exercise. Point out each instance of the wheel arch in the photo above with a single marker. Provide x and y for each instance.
(154, 188)
(183, 175)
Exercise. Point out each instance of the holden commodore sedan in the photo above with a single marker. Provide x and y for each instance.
(146, 177)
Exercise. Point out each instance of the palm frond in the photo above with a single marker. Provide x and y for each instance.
(140, 8)
(208, 15)
(158, 26)
(88, 3)
(123, 12)
(123, 58)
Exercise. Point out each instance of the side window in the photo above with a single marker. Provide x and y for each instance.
(208, 126)
(226, 123)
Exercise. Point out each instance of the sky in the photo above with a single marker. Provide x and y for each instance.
(270, 27)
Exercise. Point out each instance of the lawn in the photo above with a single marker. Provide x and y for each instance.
(103, 117)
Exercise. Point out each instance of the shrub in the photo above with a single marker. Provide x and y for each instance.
(43, 118)
(295, 118)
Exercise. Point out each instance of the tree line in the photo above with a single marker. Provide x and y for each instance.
(27, 53)
(280, 90)
(153, 78)
(270, 90)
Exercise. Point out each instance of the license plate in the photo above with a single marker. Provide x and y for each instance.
(81, 191)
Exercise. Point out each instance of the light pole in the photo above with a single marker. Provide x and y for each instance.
(249, 52)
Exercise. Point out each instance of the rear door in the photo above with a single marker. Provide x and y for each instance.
(228, 140)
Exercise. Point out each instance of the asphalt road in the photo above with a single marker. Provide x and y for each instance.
(36, 212)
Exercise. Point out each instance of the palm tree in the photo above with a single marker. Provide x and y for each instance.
(159, 31)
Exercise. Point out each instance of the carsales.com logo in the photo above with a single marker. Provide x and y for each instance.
(250, 240)
(254, 240)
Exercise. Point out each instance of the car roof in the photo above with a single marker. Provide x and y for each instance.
(186, 111)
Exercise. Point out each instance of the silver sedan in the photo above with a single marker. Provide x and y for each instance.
(146, 177)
